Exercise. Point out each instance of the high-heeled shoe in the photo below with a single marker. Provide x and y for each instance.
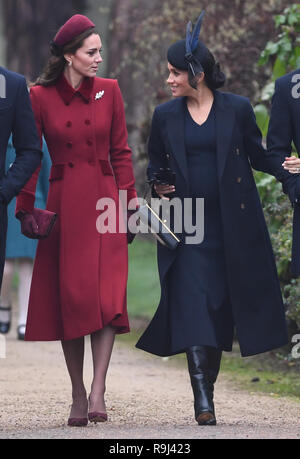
(21, 332)
(77, 422)
(97, 417)
(5, 325)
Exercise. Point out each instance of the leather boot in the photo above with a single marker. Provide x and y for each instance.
(204, 365)
(214, 362)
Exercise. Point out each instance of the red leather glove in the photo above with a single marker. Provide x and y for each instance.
(29, 226)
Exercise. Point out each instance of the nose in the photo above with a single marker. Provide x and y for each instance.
(170, 80)
(99, 58)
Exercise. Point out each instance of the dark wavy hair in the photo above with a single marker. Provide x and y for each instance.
(213, 75)
(57, 63)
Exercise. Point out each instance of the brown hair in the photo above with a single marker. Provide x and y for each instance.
(56, 64)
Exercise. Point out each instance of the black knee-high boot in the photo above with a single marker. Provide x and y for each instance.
(214, 362)
(204, 365)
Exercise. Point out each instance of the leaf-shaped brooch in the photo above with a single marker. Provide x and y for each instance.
(99, 95)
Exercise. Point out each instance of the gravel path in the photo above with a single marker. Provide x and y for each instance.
(146, 398)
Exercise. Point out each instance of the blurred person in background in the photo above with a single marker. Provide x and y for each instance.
(210, 140)
(80, 275)
(282, 133)
(20, 251)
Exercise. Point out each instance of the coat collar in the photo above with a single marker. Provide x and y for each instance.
(225, 119)
(67, 92)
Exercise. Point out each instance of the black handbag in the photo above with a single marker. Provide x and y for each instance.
(158, 227)
(151, 218)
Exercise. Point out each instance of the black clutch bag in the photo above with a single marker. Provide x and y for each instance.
(151, 218)
(158, 227)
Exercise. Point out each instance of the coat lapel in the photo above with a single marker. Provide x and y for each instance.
(175, 127)
(225, 121)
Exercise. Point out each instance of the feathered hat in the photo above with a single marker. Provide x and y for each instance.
(189, 53)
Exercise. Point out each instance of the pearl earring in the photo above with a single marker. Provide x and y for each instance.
(70, 63)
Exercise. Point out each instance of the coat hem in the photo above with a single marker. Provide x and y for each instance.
(183, 350)
(265, 349)
(118, 330)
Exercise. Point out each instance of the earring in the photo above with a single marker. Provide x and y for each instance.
(70, 63)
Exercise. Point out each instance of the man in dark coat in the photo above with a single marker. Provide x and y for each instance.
(16, 118)
(283, 130)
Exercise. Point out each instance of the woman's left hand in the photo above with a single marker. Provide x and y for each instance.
(292, 164)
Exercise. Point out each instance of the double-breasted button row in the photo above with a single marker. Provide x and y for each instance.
(91, 162)
(69, 124)
(89, 142)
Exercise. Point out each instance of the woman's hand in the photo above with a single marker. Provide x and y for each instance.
(163, 190)
(292, 164)
(29, 226)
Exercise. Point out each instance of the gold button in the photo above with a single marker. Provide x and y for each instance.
(243, 207)
(239, 179)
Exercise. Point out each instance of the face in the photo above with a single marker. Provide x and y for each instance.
(178, 82)
(86, 60)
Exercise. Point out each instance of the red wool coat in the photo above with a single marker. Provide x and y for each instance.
(80, 276)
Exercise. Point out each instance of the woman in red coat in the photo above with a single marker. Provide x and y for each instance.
(80, 275)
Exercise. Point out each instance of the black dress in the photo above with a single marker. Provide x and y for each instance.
(200, 312)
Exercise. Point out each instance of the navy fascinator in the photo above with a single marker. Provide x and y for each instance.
(192, 41)
(189, 54)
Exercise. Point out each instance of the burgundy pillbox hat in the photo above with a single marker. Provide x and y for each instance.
(75, 26)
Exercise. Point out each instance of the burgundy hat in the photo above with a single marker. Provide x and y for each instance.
(75, 26)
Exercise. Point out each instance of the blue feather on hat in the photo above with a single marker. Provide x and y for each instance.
(192, 36)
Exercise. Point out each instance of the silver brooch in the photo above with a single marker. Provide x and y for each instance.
(99, 95)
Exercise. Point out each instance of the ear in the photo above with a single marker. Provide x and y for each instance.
(200, 78)
(68, 57)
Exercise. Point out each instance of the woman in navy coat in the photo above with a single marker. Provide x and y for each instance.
(210, 140)
(16, 118)
(20, 248)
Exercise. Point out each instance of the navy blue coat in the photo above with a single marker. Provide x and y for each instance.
(252, 276)
(283, 130)
(16, 118)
